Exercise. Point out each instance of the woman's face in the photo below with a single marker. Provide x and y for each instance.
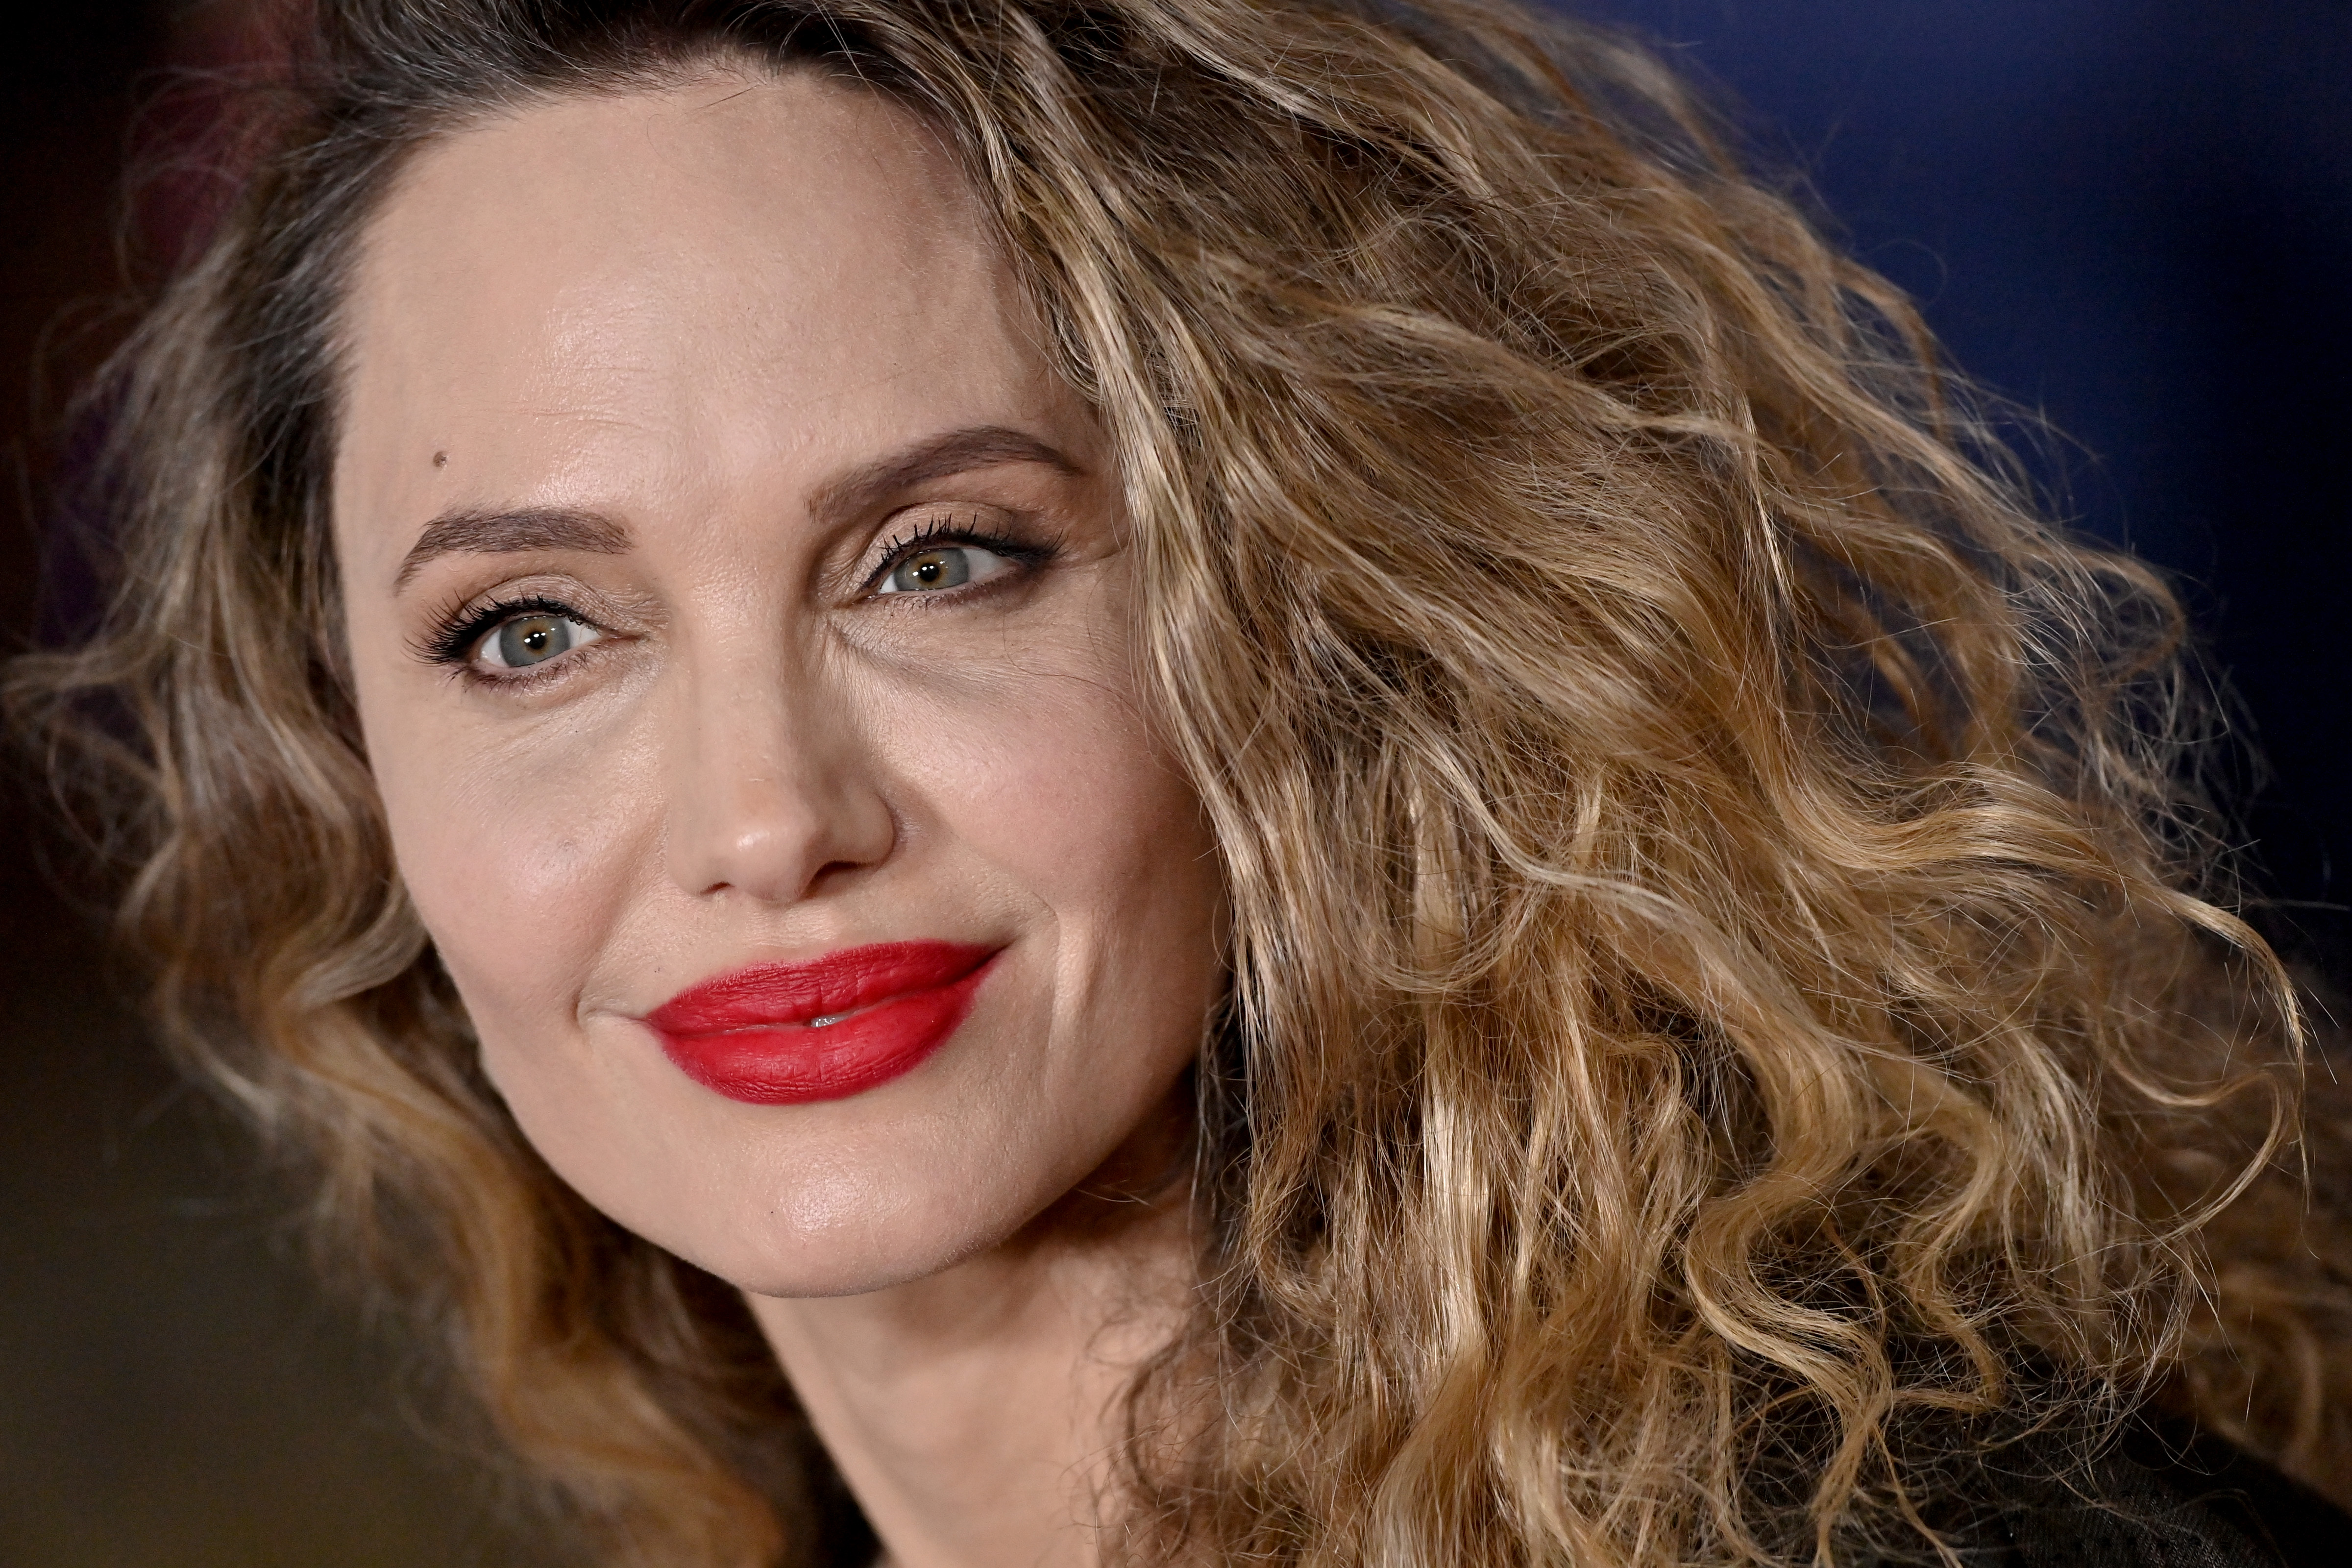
(741, 620)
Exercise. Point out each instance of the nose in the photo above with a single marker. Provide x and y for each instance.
(772, 793)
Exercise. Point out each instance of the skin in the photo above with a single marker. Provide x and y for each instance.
(702, 324)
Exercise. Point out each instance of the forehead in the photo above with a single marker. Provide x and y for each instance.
(731, 270)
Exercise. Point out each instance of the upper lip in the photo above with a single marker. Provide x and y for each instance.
(770, 996)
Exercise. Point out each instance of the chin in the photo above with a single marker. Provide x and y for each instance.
(836, 1199)
(845, 1233)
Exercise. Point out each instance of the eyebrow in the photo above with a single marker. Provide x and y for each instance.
(959, 451)
(560, 528)
(512, 533)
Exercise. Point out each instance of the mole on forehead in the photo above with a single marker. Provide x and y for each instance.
(491, 532)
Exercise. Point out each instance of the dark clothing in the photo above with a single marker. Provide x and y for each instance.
(2165, 1499)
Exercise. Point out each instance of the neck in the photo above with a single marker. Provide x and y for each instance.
(975, 1414)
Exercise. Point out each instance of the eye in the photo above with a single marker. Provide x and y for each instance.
(523, 641)
(934, 567)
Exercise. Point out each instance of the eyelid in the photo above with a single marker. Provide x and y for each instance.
(950, 523)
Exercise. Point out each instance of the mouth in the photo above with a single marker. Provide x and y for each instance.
(790, 1034)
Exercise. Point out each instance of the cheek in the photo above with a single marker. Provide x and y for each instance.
(1092, 820)
(1065, 795)
(516, 853)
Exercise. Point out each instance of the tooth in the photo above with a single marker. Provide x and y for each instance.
(828, 1018)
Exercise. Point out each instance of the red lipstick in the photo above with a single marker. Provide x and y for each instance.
(787, 1034)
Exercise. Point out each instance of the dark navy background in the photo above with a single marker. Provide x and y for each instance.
(2134, 215)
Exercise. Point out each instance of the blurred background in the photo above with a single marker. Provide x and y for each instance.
(2134, 215)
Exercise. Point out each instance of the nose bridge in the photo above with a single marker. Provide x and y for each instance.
(769, 788)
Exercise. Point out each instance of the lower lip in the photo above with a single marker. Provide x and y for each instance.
(792, 1063)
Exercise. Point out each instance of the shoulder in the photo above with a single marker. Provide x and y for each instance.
(2165, 1497)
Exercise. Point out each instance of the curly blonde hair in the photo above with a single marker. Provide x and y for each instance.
(1728, 998)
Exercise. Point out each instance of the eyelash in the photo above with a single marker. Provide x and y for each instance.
(461, 631)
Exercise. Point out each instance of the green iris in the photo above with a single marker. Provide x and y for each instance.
(535, 639)
(932, 569)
